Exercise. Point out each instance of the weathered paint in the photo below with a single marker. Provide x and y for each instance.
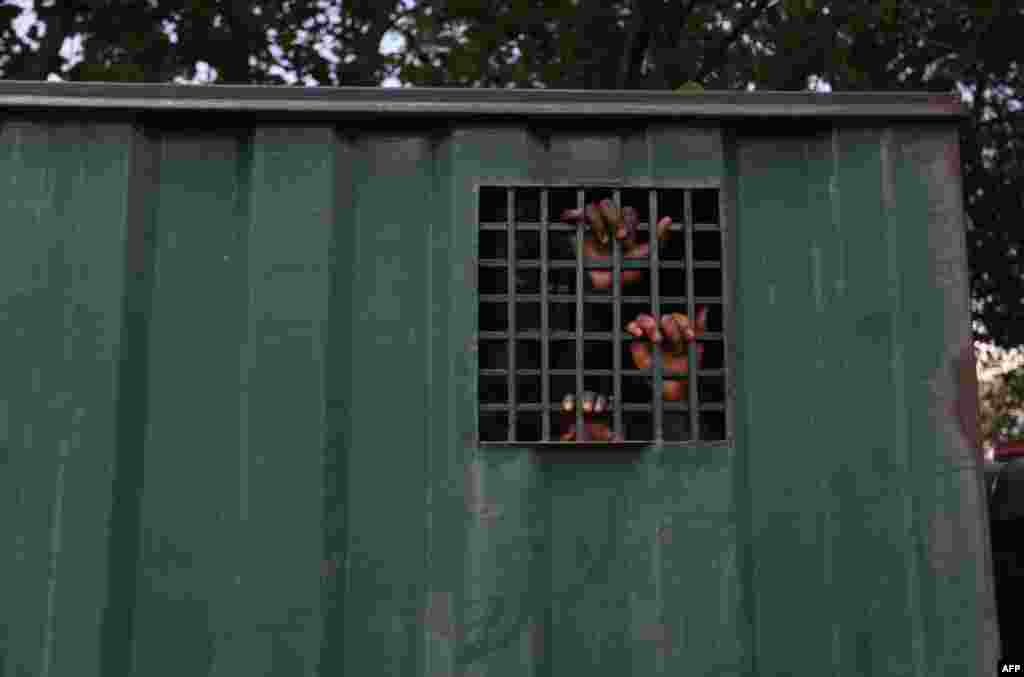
(239, 411)
(874, 214)
(955, 512)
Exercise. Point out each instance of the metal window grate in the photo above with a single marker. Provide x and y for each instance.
(546, 330)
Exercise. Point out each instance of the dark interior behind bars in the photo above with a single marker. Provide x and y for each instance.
(522, 349)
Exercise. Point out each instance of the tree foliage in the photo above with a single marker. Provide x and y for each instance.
(934, 45)
(305, 41)
(1001, 396)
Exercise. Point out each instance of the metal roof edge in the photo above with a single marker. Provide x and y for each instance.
(420, 101)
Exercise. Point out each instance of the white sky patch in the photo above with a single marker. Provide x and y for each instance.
(171, 30)
(24, 20)
(816, 84)
(390, 44)
(72, 52)
(205, 74)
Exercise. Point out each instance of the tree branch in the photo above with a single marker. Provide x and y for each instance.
(626, 60)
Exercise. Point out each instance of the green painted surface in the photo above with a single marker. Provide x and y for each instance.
(387, 233)
(231, 502)
(190, 520)
(62, 238)
(239, 400)
(827, 483)
(861, 547)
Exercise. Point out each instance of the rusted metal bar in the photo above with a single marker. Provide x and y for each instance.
(545, 341)
(691, 311)
(725, 254)
(654, 256)
(617, 322)
(510, 218)
(581, 433)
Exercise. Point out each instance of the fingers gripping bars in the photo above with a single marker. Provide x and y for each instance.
(601, 316)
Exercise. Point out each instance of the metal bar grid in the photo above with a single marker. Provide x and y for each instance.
(571, 298)
(590, 372)
(554, 445)
(629, 406)
(653, 264)
(524, 226)
(570, 265)
(569, 335)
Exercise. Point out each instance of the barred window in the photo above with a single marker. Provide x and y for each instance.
(560, 302)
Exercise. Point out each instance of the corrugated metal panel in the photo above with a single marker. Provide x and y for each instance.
(869, 502)
(239, 412)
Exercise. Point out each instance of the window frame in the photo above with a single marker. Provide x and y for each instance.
(652, 265)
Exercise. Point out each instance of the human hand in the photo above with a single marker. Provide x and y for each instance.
(607, 220)
(596, 409)
(673, 335)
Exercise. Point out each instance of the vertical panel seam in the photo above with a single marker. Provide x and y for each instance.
(142, 195)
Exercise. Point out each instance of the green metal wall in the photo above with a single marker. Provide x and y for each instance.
(237, 412)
